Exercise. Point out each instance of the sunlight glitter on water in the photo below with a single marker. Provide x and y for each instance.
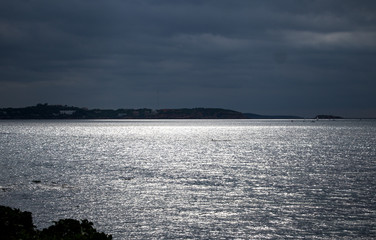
(195, 179)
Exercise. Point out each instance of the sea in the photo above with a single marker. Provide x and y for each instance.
(195, 179)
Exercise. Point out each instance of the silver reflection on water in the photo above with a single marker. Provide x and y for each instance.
(197, 179)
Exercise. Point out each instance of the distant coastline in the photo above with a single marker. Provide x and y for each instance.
(46, 111)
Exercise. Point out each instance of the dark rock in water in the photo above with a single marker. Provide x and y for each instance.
(4, 189)
(36, 181)
(15, 224)
(127, 178)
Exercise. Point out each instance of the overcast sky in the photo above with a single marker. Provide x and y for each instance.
(298, 57)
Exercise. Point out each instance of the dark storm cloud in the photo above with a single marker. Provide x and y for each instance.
(282, 57)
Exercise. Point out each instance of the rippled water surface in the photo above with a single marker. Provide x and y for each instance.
(195, 179)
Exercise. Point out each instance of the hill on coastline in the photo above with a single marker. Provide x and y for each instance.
(46, 111)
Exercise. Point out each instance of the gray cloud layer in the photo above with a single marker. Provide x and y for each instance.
(272, 57)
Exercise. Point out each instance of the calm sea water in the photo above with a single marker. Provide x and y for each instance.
(195, 179)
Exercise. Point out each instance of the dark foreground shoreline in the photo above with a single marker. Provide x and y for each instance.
(15, 224)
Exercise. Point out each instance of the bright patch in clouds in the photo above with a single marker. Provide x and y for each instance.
(332, 39)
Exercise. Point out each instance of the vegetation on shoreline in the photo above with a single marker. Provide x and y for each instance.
(45, 111)
(15, 224)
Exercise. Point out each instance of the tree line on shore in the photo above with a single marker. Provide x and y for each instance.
(16, 224)
(46, 111)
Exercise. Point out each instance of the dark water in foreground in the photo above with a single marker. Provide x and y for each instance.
(195, 179)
